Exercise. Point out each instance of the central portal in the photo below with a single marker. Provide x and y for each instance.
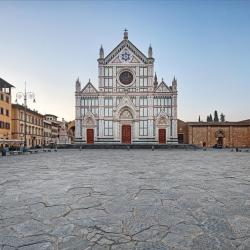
(126, 134)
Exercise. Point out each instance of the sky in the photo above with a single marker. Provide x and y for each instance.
(204, 44)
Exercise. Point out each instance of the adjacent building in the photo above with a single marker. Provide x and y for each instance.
(5, 112)
(209, 134)
(54, 134)
(47, 125)
(129, 105)
(34, 125)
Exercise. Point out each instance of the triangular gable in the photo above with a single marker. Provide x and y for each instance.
(116, 60)
(162, 88)
(125, 44)
(126, 101)
(135, 60)
(126, 56)
(89, 88)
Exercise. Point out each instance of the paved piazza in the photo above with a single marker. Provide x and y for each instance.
(120, 199)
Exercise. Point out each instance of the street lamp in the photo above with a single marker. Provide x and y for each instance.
(25, 95)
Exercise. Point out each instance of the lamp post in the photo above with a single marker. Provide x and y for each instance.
(25, 95)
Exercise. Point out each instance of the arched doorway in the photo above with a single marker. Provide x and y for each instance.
(220, 134)
(89, 124)
(126, 126)
(161, 125)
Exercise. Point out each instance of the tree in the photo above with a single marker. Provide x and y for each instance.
(216, 118)
(210, 118)
(222, 117)
(199, 119)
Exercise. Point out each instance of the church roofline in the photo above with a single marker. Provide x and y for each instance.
(141, 55)
(89, 83)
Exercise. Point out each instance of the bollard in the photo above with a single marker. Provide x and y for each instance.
(153, 148)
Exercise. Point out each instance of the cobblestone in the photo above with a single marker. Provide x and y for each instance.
(119, 199)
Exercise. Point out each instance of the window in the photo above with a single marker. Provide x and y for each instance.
(108, 71)
(1, 97)
(143, 127)
(7, 99)
(143, 82)
(143, 71)
(1, 111)
(108, 101)
(108, 128)
(7, 112)
(108, 112)
(118, 100)
(143, 106)
(108, 106)
(162, 101)
(108, 80)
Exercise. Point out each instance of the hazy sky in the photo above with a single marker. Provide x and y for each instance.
(205, 44)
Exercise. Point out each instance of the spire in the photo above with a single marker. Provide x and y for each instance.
(125, 36)
(78, 84)
(174, 81)
(155, 81)
(150, 52)
(89, 81)
(101, 52)
(155, 77)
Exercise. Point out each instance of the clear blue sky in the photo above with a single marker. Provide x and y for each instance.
(205, 44)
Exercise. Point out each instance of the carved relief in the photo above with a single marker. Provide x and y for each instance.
(126, 114)
(220, 133)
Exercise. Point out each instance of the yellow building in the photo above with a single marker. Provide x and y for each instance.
(34, 125)
(5, 112)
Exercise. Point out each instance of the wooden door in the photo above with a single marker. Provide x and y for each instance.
(90, 136)
(220, 142)
(126, 134)
(162, 136)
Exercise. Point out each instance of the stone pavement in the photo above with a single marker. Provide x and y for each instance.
(119, 199)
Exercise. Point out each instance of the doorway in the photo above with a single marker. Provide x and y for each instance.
(220, 142)
(162, 136)
(126, 134)
(90, 136)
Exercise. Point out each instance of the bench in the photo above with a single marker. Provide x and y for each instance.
(33, 151)
(16, 152)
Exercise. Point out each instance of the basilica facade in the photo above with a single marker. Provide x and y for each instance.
(129, 105)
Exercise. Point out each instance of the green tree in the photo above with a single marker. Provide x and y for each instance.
(199, 120)
(210, 118)
(222, 117)
(216, 118)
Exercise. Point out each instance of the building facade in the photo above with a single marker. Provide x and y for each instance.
(129, 106)
(47, 140)
(54, 136)
(5, 111)
(209, 134)
(34, 125)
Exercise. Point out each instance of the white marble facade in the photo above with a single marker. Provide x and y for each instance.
(129, 95)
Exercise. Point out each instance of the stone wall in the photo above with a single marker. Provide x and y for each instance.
(233, 134)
